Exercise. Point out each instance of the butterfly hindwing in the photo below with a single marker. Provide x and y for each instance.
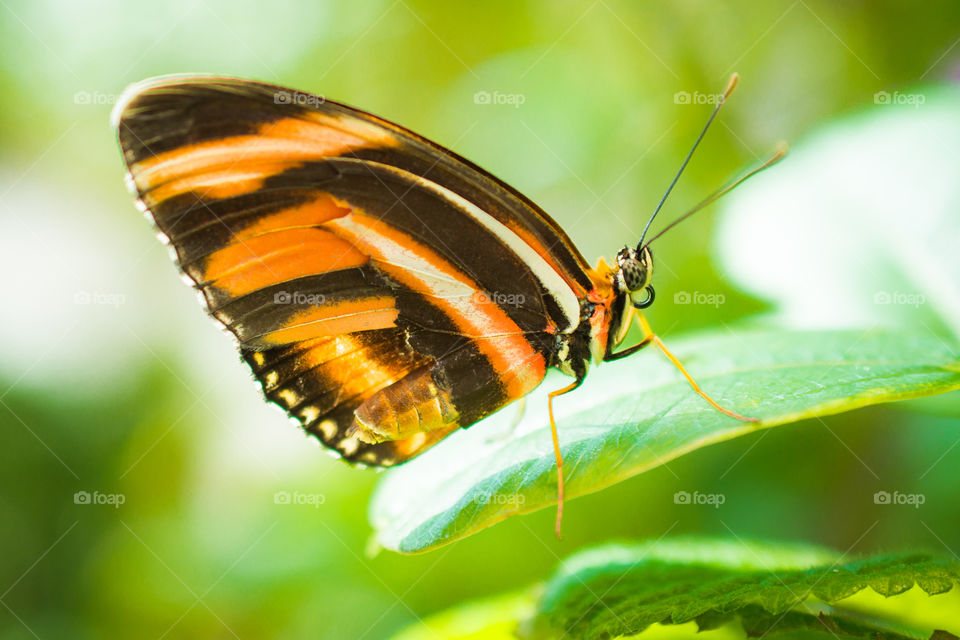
(384, 290)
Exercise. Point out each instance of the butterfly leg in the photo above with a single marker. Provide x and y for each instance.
(651, 337)
(556, 445)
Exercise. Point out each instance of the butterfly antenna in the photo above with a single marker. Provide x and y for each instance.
(716, 195)
(734, 79)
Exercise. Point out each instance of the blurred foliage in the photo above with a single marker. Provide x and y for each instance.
(866, 202)
(113, 383)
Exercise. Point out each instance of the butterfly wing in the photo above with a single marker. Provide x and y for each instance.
(384, 290)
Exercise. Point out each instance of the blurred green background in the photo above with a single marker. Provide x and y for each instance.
(112, 381)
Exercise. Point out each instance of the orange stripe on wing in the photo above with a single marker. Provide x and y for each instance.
(226, 183)
(415, 265)
(277, 145)
(354, 374)
(265, 260)
(310, 214)
(377, 312)
(280, 247)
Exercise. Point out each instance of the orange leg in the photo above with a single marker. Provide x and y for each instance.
(556, 448)
(651, 336)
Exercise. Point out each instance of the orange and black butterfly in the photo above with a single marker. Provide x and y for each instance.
(384, 290)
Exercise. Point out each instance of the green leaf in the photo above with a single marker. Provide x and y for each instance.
(633, 415)
(804, 591)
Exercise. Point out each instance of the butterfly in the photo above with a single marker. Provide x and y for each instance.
(384, 290)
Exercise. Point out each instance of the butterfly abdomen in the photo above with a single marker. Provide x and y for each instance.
(409, 406)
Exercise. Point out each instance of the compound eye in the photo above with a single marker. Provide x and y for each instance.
(646, 302)
(633, 274)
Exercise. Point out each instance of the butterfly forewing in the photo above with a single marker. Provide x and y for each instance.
(384, 290)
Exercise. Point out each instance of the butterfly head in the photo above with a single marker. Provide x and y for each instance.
(633, 274)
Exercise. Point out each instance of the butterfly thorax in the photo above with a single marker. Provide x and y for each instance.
(603, 323)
